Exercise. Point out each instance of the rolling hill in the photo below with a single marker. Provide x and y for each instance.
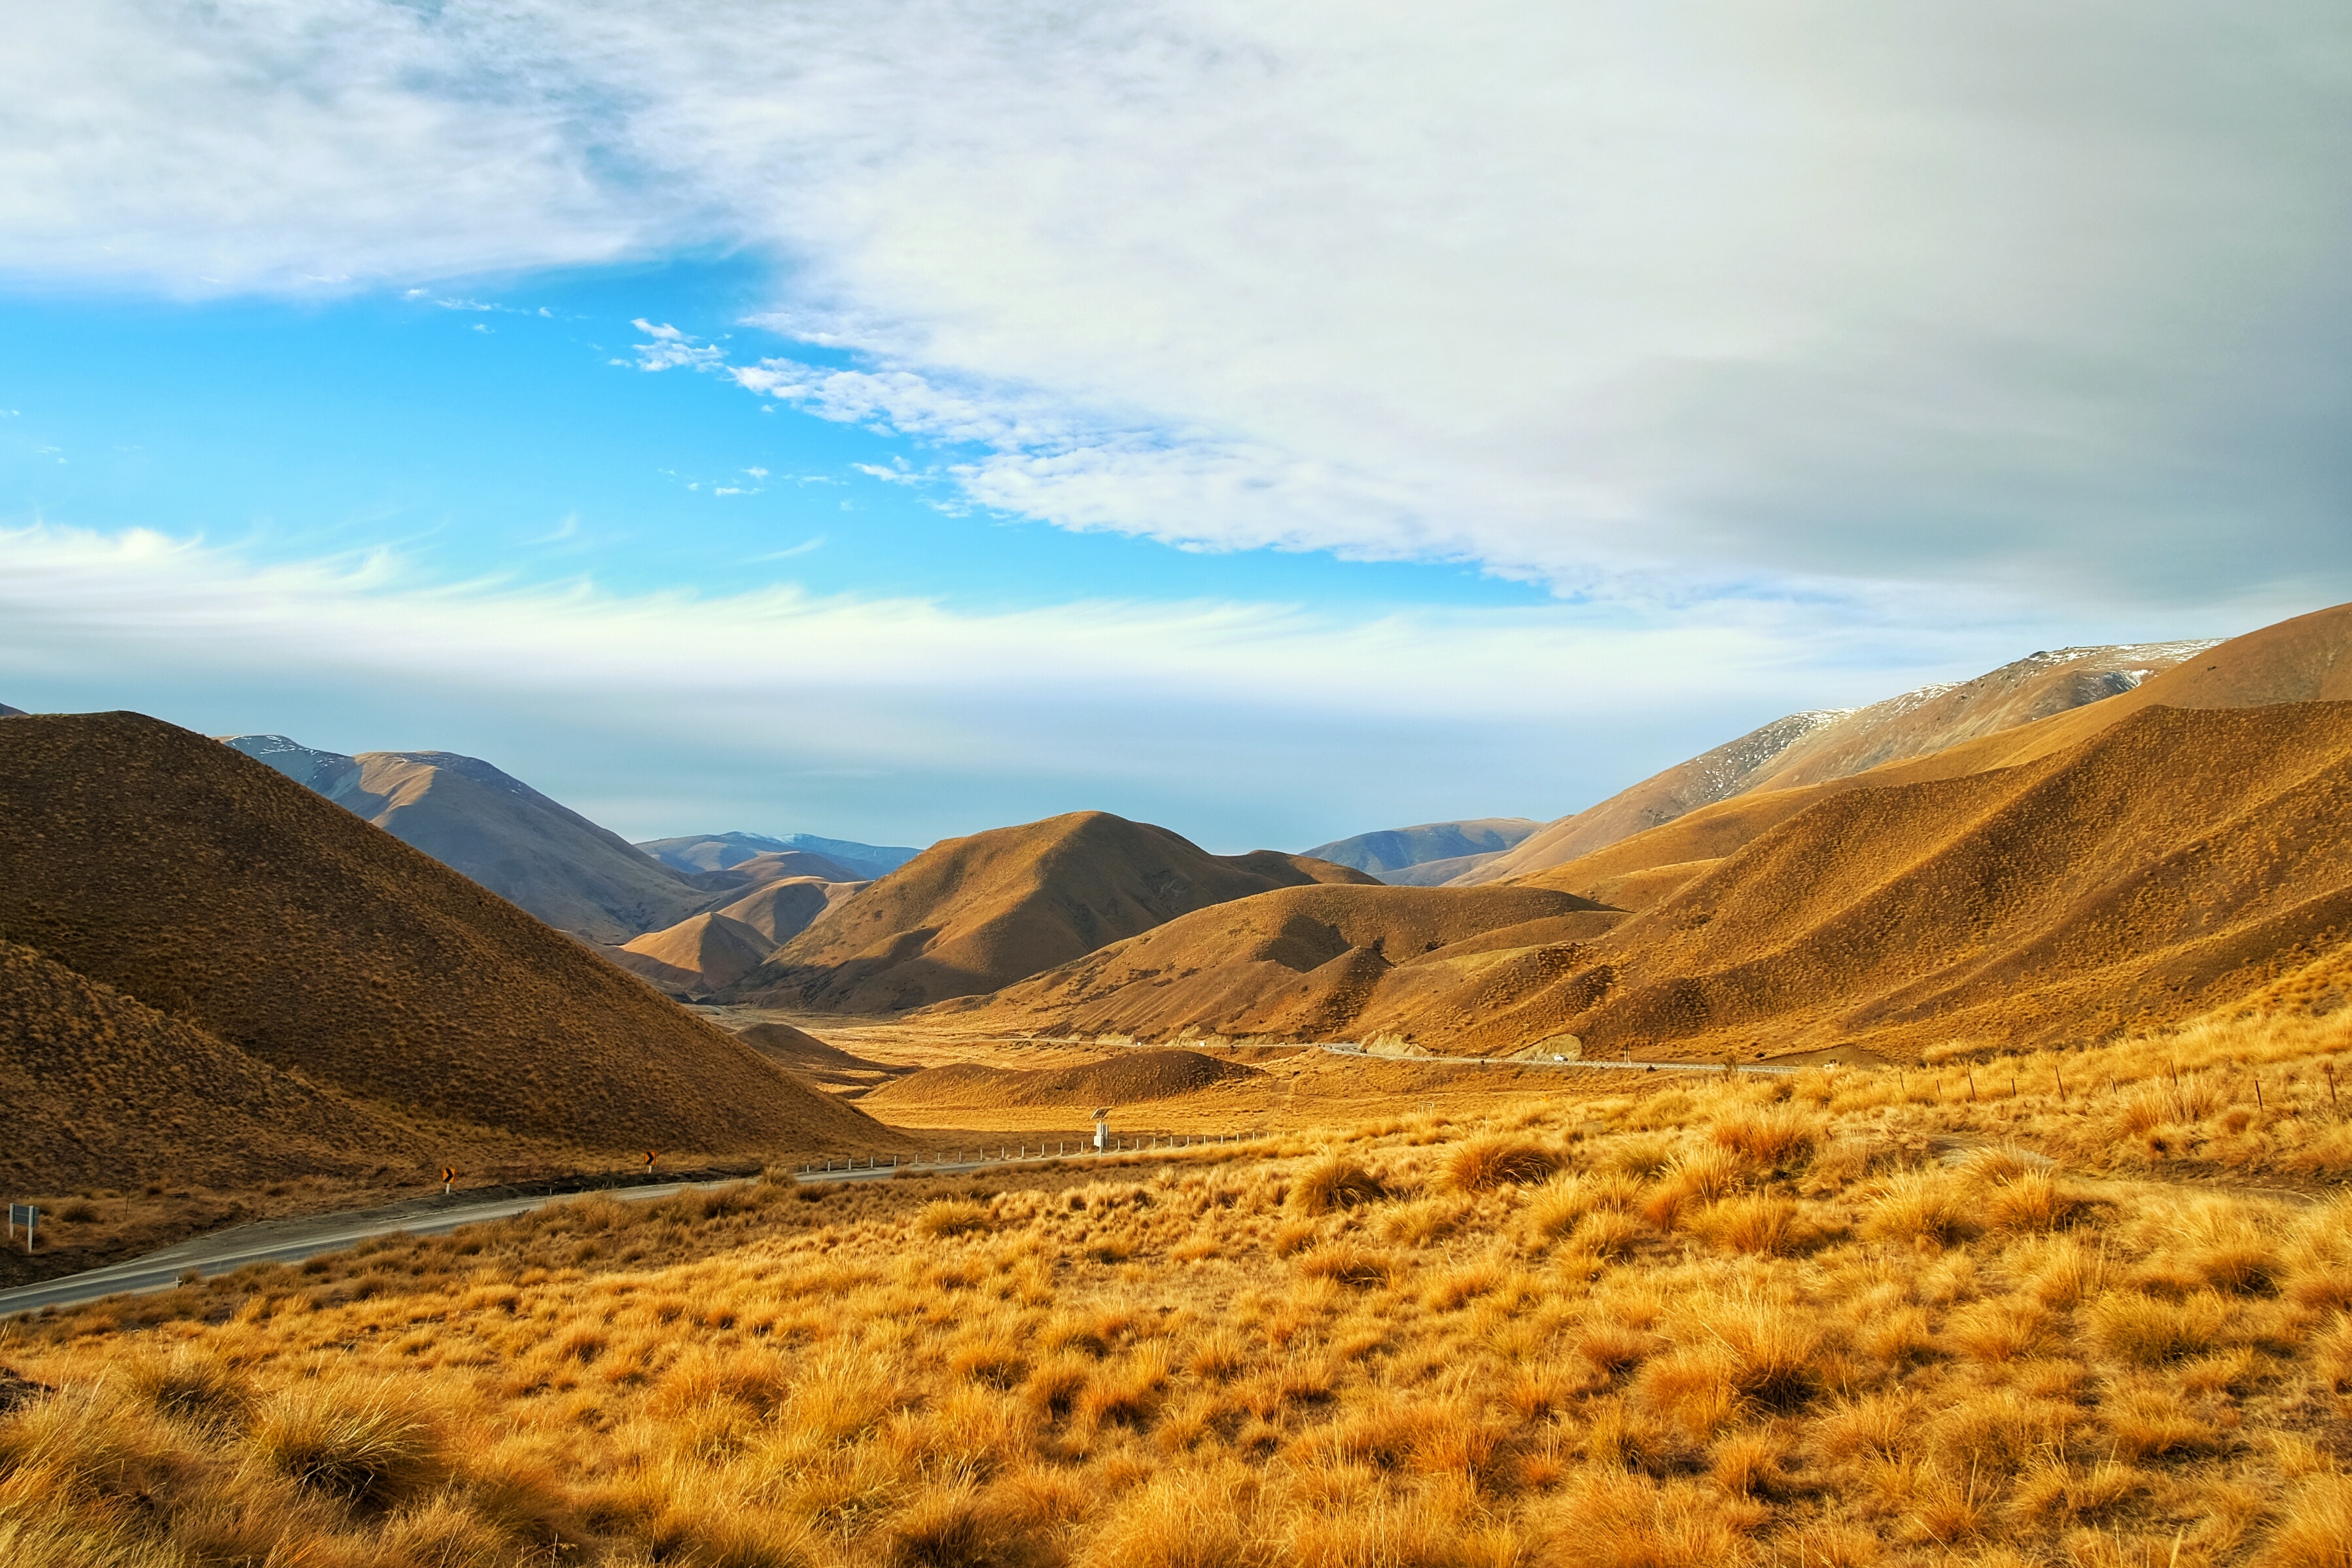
(1429, 853)
(526, 848)
(2159, 867)
(975, 914)
(234, 902)
(1816, 746)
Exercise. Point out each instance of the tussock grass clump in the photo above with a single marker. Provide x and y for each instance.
(364, 1446)
(1482, 1165)
(1334, 1182)
(951, 1218)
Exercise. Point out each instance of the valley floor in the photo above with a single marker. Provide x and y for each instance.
(2091, 1308)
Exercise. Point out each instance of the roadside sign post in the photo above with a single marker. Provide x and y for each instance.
(26, 1214)
(651, 1154)
(449, 1179)
(1102, 1131)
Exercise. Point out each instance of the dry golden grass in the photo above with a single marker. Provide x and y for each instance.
(1830, 1317)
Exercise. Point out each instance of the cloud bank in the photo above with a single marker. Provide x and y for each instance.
(1245, 724)
(1646, 303)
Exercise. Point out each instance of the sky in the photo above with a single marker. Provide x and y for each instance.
(1276, 421)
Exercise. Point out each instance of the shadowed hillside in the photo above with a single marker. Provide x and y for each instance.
(220, 892)
(975, 914)
(102, 1089)
(478, 821)
(1811, 748)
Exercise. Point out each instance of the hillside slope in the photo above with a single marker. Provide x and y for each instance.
(2143, 874)
(1393, 851)
(102, 1090)
(975, 914)
(1307, 963)
(218, 892)
(2306, 659)
(487, 825)
(2161, 867)
(1811, 748)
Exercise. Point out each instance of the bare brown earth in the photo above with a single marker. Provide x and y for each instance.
(2151, 872)
(971, 914)
(233, 901)
(1815, 747)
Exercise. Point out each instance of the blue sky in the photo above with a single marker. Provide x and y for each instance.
(1273, 423)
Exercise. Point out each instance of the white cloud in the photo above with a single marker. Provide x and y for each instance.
(2044, 300)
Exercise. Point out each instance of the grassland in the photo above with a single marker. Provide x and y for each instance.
(2088, 1308)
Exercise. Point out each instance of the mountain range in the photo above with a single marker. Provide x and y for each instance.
(547, 859)
(1429, 853)
(2181, 841)
(724, 852)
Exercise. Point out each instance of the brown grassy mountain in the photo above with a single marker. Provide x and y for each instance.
(971, 914)
(1812, 748)
(701, 952)
(783, 910)
(527, 849)
(2306, 659)
(2163, 866)
(226, 896)
(102, 1090)
(1307, 963)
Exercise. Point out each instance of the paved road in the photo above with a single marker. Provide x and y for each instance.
(291, 1240)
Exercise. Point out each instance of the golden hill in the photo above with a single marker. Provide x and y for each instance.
(1304, 963)
(2137, 876)
(975, 914)
(233, 900)
(783, 910)
(2154, 870)
(2308, 659)
(699, 953)
(1813, 748)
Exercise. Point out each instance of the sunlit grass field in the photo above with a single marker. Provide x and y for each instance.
(2086, 1309)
